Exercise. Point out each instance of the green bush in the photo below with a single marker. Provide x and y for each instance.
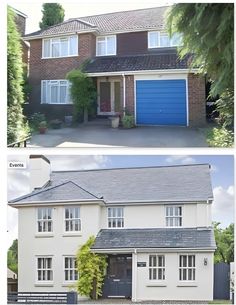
(128, 121)
(220, 137)
(35, 120)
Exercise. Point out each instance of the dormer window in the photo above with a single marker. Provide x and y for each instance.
(158, 39)
(60, 47)
(106, 45)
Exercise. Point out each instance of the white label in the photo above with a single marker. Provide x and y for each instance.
(16, 165)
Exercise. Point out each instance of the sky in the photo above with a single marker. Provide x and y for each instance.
(80, 8)
(222, 173)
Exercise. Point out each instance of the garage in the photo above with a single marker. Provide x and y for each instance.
(161, 102)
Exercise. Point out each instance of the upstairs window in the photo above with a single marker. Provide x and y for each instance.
(173, 216)
(156, 267)
(60, 47)
(72, 219)
(44, 220)
(187, 269)
(106, 45)
(55, 92)
(115, 217)
(158, 39)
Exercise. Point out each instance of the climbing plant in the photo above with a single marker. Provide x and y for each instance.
(91, 269)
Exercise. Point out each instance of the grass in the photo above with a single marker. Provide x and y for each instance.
(220, 302)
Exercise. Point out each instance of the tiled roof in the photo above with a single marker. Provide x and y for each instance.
(187, 183)
(138, 62)
(135, 20)
(154, 238)
(63, 191)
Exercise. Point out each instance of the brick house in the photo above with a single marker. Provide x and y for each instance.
(157, 233)
(132, 60)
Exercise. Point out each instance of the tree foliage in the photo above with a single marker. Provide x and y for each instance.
(224, 242)
(12, 257)
(83, 92)
(91, 268)
(53, 13)
(208, 34)
(17, 128)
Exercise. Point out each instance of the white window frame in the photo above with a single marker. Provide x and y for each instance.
(59, 38)
(74, 270)
(42, 220)
(154, 269)
(188, 268)
(116, 218)
(105, 38)
(72, 220)
(179, 217)
(45, 269)
(159, 40)
(47, 85)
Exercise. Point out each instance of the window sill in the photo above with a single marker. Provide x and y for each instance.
(59, 104)
(69, 234)
(60, 57)
(46, 284)
(44, 235)
(187, 284)
(156, 284)
(104, 55)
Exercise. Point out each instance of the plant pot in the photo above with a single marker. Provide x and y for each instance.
(115, 121)
(42, 130)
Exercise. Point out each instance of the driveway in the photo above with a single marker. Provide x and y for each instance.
(100, 135)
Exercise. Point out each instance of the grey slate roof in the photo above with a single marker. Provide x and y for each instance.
(188, 183)
(138, 62)
(135, 20)
(154, 238)
(63, 191)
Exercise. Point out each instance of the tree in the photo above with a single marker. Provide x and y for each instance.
(12, 257)
(17, 127)
(208, 34)
(83, 92)
(224, 242)
(53, 13)
(91, 268)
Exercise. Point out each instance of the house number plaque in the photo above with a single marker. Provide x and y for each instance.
(141, 264)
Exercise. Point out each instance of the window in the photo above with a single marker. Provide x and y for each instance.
(70, 269)
(44, 220)
(106, 45)
(187, 268)
(162, 39)
(115, 217)
(44, 269)
(72, 219)
(60, 47)
(156, 267)
(173, 216)
(55, 92)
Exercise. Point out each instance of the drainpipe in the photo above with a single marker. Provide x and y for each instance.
(124, 105)
(134, 276)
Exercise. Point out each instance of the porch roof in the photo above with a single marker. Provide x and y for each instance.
(155, 238)
(163, 61)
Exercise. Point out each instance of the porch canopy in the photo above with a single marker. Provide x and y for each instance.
(126, 240)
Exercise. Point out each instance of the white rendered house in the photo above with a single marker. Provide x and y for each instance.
(153, 223)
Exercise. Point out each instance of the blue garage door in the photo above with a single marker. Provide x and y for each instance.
(161, 102)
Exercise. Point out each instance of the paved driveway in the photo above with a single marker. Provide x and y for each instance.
(104, 136)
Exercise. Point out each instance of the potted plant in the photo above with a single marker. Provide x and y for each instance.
(128, 121)
(56, 124)
(115, 120)
(42, 127)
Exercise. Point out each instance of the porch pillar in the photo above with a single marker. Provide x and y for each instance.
(124, 91)
(134, 276)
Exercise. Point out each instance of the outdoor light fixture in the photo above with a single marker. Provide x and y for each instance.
(205, 261)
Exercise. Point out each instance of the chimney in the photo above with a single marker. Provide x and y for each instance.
(40, 171)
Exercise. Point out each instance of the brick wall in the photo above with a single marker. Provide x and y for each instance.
(197, 100)
(55, 68)
(130, 93)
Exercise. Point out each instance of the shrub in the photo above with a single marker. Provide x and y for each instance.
(35, 119)
(128, 121)
(56, 124)
(220, 137)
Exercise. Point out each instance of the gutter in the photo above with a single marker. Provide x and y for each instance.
(149, 250)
